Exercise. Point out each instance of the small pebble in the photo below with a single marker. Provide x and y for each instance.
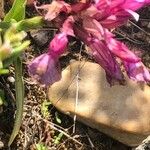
(11, 79)
(1, 144)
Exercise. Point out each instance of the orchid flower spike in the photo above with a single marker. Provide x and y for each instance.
(91, 22)
(45, 68)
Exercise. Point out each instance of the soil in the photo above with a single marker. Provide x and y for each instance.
(51, 128)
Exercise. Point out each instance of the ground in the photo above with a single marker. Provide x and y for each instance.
(42, 123)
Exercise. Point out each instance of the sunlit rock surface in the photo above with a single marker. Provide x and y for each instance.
(122, 112)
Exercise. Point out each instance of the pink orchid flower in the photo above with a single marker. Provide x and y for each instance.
(137, 71)
(116, 12)
(91, 22)
(45, 68)
(54, 9)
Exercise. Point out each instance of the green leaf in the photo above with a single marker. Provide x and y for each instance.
(19, 87)
(1, 97)
(57, 118)
(17, 11)
(58, 138)
(4, 25)
(41, 146)
(44, 109)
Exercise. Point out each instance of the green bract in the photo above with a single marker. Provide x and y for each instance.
(17, 11)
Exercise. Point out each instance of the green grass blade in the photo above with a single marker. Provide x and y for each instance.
(19, 87)
(17, 11)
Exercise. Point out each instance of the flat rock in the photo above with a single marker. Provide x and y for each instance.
(122, 112)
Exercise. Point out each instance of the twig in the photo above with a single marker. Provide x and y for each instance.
(77, 91)
(139, 28)
(90, 141)
(76, 101)
(57, 129)
(129, 39)
(145, 144)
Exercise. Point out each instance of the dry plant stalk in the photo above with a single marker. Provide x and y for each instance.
(1, 9)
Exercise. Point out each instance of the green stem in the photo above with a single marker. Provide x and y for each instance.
(4, 71)
(16, 53)
(25, 24)
(19, 87)
(28, 24)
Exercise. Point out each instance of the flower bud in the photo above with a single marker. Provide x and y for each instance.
(5, 51)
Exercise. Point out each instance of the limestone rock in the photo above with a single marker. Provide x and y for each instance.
(122, 112)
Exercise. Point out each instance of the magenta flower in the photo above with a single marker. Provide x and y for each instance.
(104, 47)
(67, 26)
(58, 44)
(102, 55)
(120, 49)
(116, 12)
(91, 22)
(53, 9)
(137, 71)
(107, 61)
(46, 69)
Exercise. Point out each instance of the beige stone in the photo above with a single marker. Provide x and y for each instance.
(122, 112)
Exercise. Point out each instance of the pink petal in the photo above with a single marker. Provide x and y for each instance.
(58, 44)
(67, 26)
(53, 10)
(45, 69)
(78, 7)
(137, 71)
(134, 14)
(106, 60)
(93, 27)
(134, 4)
(117, 12)
(116, 19)
(102, 55)
(120, 49)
